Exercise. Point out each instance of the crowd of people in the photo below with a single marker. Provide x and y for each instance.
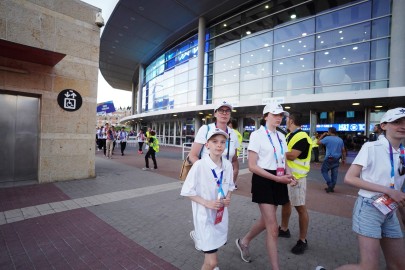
(279, 164)
(107, 137)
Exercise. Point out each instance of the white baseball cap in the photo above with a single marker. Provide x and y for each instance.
(392, 115)
(217, 131)
(223, 103)
(274, 108)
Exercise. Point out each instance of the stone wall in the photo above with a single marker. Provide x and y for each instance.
(67, 139)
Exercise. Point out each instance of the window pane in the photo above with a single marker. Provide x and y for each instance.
(343, 55)
(342, 75)
(254, 57)
(294, 47)
(344, 17)
(381, 7)
(342, 36)
(255, 72)
(253, 87)
(227, 50)
(380, 49)
(293, 64)
(293, 81)
(381, 28)
(229, 91)
(301, 29)
(226, 77)
(257, 42)
(342, 88)
(227, 64)
(379, 70)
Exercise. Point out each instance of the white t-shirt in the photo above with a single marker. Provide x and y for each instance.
(141, 137)
(201, 138)
(374, 157)
(260, 143)
(200, 181)
(122, 136)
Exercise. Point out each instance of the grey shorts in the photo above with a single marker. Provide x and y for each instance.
(297, 193)
(370, 222)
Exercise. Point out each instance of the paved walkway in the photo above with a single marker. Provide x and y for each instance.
(127, 218)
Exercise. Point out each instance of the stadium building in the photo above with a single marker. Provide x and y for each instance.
(339, 62)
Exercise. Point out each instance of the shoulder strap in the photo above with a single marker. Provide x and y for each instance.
(202, 148)
(229, 142)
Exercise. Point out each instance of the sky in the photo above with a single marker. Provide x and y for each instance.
(105, 92)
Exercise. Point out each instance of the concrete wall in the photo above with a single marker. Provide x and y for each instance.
(64, 26)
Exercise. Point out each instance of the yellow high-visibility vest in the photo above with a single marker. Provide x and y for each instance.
(299, 167)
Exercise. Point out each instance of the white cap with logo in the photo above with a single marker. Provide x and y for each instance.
(217, 131)
(274, 108)
(392, 115)
(223, 103)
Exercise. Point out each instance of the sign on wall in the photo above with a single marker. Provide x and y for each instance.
(105, 107)
(70, 100)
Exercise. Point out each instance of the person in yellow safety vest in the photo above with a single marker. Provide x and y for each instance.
(298, 159)
(315, 146)
(233, 123)
(153, 149)
(147, 134)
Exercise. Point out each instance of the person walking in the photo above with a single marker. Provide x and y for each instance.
(379, 171)
(122, 136)
(233, 124)
(271, 174)
(209, 185)
(141, 140)
(222, 114)
(377, 131)
(152, 150)
(109, 142)
(335, 150)
(298, 159)
(315, 147)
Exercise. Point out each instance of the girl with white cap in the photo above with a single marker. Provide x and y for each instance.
(267, 162)
(379, 171)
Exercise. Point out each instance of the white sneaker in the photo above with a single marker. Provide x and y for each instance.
(145, 169)
(320, 268)
(192, 235)
(216, 268)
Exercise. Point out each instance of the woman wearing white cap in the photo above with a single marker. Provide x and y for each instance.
(267, 162)
(379, 171)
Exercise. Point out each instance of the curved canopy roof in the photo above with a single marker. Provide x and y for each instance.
(138, 30)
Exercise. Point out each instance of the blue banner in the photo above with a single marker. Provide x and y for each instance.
(105, 107)
(342, 127)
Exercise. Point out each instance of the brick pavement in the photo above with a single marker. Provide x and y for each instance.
(126, 218)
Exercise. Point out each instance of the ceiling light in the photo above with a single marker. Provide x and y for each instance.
(266, 6)
(293, 16)
(326, 53)
(248, 32)
(225, 25)
(355, 48)
(174, 114)
(378, 106)
(287, 107)
(200, 113)
(355, 103)
(340, 32)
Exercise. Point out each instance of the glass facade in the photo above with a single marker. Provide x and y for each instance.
(278, 48)
(274, 49)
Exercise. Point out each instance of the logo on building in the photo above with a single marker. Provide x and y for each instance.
(70, 100)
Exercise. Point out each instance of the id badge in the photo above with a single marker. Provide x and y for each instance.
(220, 213)
(280, 172)
(385, 204)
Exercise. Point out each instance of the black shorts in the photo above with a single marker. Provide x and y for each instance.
(268, 191)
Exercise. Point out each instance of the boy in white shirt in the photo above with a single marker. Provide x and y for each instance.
(209, 185)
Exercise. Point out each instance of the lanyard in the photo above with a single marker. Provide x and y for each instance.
(219, 183)
(402, 153)
(274, 148)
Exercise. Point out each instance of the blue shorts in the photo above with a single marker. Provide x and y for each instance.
(370, 222)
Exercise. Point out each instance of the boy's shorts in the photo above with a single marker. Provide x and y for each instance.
(297, 193)
(370, 222)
